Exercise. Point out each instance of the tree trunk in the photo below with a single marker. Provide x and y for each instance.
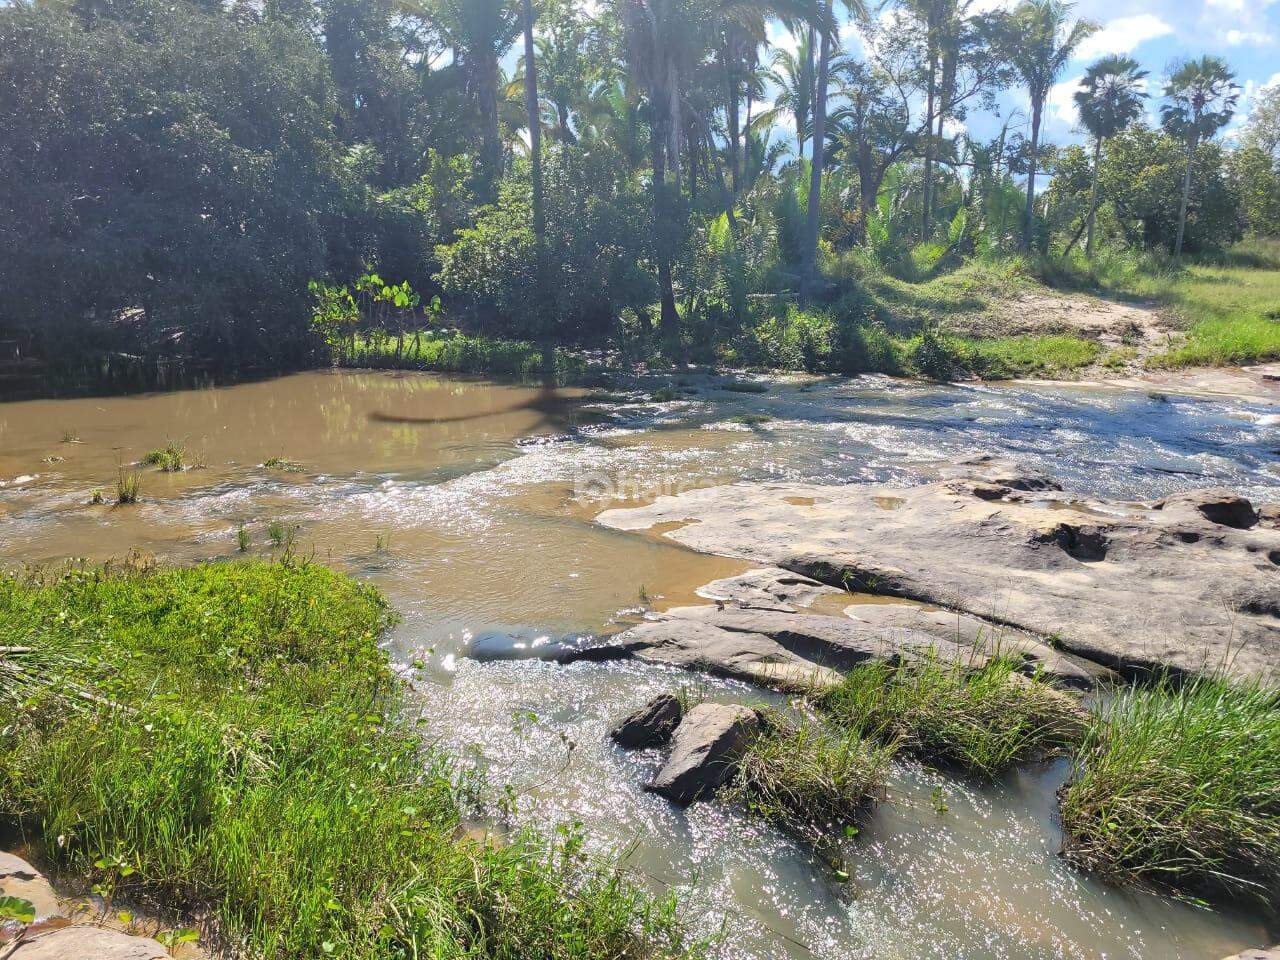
(1093, 197)
(731, 109)
(534, 116)
(491, 137)
(926, 219)
(1186, 197)
(1028, 217)
(809, 273)
(669, 319)
(746, 132)
(535, 128)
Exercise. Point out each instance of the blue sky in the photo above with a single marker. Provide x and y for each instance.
(1155, 32)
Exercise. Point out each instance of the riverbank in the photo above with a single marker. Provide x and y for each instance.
(1124, 319)
(229, 737)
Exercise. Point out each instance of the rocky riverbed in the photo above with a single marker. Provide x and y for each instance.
(1004, 556)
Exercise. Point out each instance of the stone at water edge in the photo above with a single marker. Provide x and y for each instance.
(1272, 954)
(89, 943)
(651, 725)
(1223, 507)
(20, 879)
(705, 751)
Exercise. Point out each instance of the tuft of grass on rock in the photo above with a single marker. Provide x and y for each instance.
(809, 777)
(231, 735)
(1179, 786)
(981, 720)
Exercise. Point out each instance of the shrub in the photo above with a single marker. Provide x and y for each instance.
(809, 777)
(981, 720)
(1180, 786)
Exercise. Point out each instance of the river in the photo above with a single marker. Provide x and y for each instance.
(471, 505)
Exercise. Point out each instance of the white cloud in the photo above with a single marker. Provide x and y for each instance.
(1125, 35)
(1061, 104)
(1253, 38)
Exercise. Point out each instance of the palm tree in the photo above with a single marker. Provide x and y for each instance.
(1109, 99)
(1202, 97)
(666, 40)
(480, 32)
(792, 74)
(1042, 41)
(828, 30)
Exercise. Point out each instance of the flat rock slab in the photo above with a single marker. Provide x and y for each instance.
(705, 751)
(1272, 954)
(89, 943)
(20, 879)
(769, 587)
(1134, 587)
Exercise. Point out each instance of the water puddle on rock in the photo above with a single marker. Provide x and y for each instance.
(471, 505)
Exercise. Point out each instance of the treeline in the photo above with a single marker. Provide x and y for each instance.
(175, 175)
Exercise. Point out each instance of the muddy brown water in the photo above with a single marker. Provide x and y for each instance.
(471, 503)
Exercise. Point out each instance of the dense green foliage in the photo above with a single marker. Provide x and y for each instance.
(231, 734)
(176, 176)
(1180, 785)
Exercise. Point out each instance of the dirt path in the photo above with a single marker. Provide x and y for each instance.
(1143, 327)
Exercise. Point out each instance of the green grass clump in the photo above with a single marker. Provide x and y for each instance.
(128, 486)
(232, 735)
(1180, 786)
(169, 458)
(751, 419)
(808, 776)
(459, 353)
(982, 720)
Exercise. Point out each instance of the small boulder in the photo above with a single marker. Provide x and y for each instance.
(1222, 507)
(89, 943)
(651, 725)
(20, 879)
(705, 751)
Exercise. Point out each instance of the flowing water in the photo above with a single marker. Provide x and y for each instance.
(470, 505)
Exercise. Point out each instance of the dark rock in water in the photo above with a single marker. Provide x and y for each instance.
(545, 440)
(1217, 506)
(489, 647)
(705, 751)
(651, 725)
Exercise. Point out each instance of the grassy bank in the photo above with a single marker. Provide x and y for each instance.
(982, 721)
(231, 735)
(1228, 302)
(460, 353)
(1181, 787)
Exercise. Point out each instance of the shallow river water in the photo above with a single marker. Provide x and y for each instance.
(470, 504)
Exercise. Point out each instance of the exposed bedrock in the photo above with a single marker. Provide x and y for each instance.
(1190, 583)
(748, 634)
